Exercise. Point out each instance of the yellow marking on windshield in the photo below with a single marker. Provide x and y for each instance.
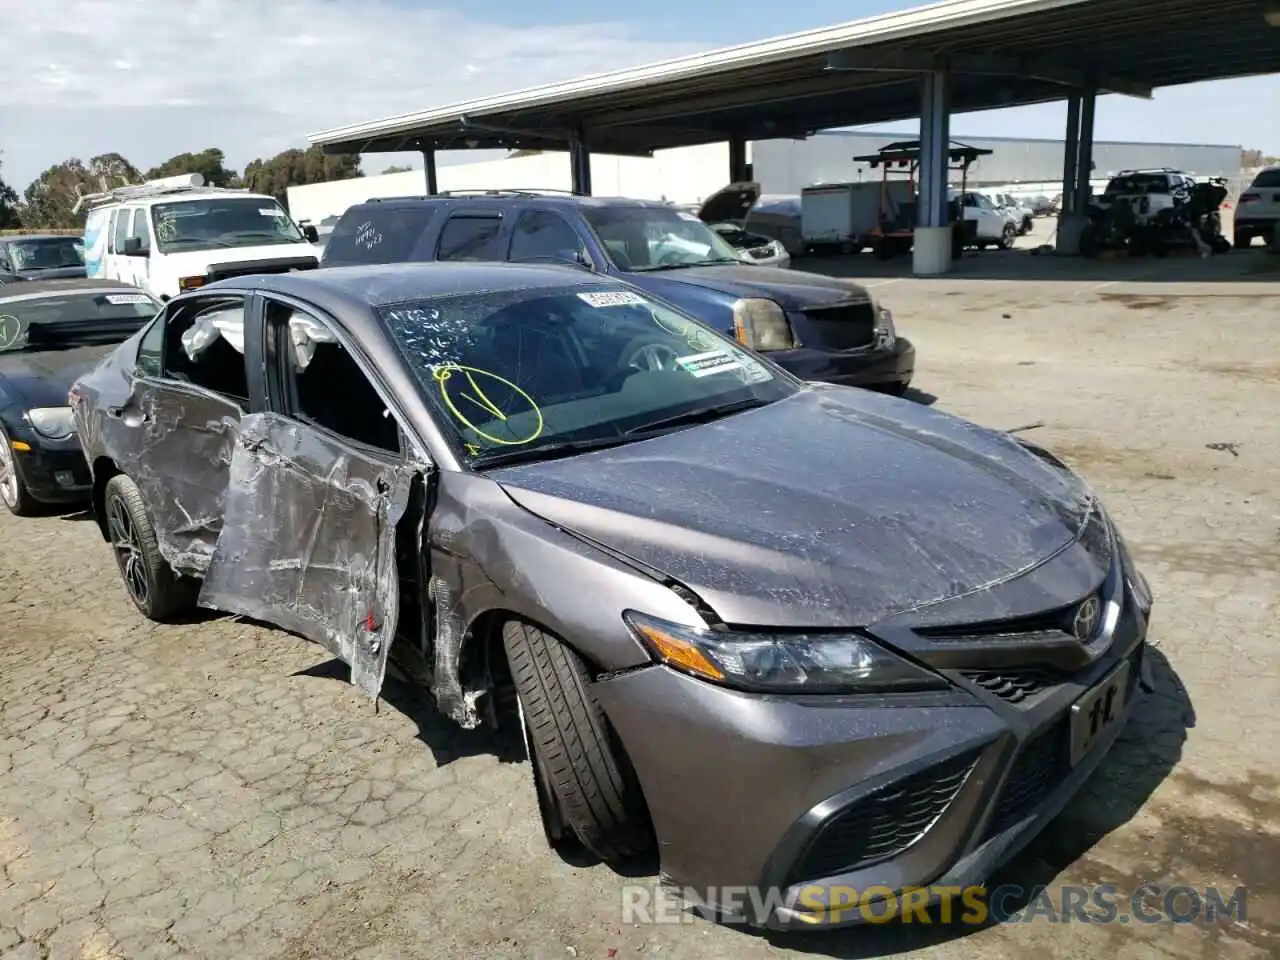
(443, 374)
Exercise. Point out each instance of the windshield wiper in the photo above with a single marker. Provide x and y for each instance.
(684, 266)
(699, 415)
(549, 451)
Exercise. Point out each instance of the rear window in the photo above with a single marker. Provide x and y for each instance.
(1140, 183)
(47, 322)
(470, 237)
(1267, 178)
(377, 234)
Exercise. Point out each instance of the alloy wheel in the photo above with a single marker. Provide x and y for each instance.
(124, 541)
(8, 474)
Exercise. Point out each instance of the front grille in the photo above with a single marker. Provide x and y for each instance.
(1053, 625)
(848, 327)
(1013, 686)
(885, 823)
(1041, 764)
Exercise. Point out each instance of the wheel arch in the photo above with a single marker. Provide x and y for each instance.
(103, 469)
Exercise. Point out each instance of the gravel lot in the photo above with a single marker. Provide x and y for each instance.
(218, 790)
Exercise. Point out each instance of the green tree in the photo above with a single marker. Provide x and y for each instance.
(51, 198)
(295, 168)
(10, 215)
(395, 169)
(210, 163)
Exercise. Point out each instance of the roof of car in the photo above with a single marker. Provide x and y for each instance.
(518, 196)
(377, 285)
(39, 236)
(37, 288)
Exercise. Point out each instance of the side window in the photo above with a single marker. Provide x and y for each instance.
(5, 264)
(470, 237)
(140, 230)
(204, 346)
(324, 385)
(149, 361)
(121, 230)
(378, 234)
(538, 233)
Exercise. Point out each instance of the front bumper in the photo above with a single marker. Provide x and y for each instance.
(869, 367)
(53, 471)
(817, 796)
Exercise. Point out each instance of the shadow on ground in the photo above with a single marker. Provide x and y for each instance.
(1251, 266)
(1141, 759)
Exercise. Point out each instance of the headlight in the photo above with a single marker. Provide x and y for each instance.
(761, 325)
(781, 663)
(1137, 582)
(52, 422)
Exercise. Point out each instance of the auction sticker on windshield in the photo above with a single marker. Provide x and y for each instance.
(705, 364)
(119, 299)
(612, 298)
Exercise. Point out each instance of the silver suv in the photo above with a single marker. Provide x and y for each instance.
(1147, 192)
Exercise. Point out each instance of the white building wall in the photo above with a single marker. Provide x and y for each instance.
(683, 175)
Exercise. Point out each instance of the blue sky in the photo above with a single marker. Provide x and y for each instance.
(153, 78)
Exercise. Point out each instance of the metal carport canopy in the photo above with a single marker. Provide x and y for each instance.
(1000, 53)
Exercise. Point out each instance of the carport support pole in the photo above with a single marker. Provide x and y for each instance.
(580, 167)
(1084, 155)
(738, 159)
(1070, 221)
(429, 168)
(931, 247)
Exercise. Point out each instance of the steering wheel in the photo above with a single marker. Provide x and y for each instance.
(649, 355)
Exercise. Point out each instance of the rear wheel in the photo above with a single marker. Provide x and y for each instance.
(159, 593)
(1242, 240)
(1007, 236)
(13, 492)
(585, 783)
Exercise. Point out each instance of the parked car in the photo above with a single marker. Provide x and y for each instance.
(1257, 212)
(51, 331)
(1146, 192)
(727, 211)
(993, 227)
(39, 256)
(788, 633)
(817, 327)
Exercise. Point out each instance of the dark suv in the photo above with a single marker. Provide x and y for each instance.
(815, 326)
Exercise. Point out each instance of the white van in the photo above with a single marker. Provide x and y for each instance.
(171, 235)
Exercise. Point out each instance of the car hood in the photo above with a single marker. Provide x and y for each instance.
(835, 507)
(42, 379)
(193, 262)
(791, 289)
(731, 204)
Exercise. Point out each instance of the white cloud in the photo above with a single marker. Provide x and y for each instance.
(150, 78)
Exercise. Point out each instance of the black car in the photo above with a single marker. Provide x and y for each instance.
(794, 635)
(51, 331)
(42, 256)
(815, 326)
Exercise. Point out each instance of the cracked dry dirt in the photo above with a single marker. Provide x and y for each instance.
(217, 790)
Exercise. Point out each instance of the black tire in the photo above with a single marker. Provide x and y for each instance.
(1242, 240)
(897, 389)
(585, 773)
(1007, 237)
(13, 489)
(157, 592)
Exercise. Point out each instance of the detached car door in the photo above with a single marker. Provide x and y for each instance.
(318, 486)
(171, 425)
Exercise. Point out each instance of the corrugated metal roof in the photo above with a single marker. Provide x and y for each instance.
(784, 87)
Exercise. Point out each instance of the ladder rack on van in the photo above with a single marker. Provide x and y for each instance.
(187, 182)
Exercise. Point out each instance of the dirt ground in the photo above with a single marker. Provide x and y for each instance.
(218, 790)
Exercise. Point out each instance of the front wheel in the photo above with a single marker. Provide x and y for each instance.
(584, 780)
(159, 593)
(13, 491)
(1007, 237)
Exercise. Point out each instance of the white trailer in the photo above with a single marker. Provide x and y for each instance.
(838, 216)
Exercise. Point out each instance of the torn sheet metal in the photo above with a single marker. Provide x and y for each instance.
(176, 445)
(308, 542)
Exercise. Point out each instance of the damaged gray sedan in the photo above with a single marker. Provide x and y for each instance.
(799, 637)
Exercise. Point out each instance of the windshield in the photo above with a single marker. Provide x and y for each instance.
(1267, 178)
(34, 322)
(528, 373)
(46, 253)
(657, 238)
(219, 222)
(1139, 183)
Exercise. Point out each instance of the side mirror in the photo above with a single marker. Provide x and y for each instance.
(133, 247)
(311, 233)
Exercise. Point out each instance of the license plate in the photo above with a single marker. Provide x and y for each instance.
(1098, 711)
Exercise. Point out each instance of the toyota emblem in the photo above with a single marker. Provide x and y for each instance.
(1085, 621)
